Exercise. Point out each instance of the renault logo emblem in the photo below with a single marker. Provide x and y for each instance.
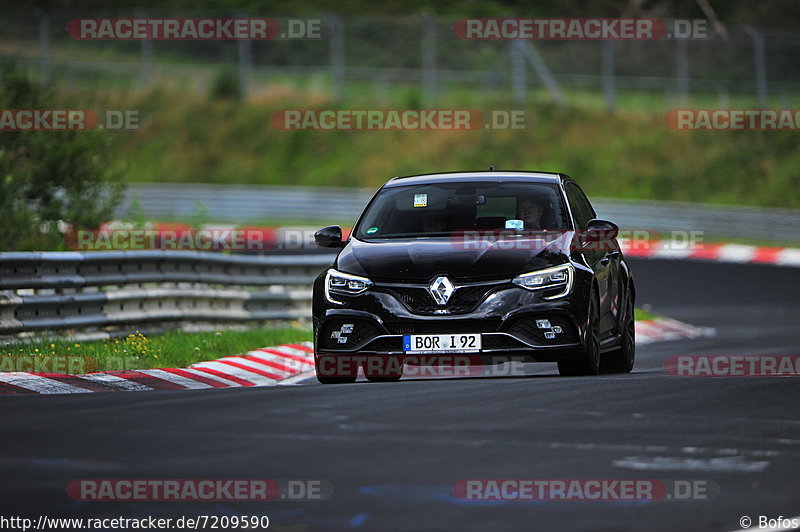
(441, 289)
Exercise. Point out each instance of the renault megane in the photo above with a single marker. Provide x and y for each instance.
(487, 265)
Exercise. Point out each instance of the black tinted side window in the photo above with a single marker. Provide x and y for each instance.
(587, 205)
(581, 209)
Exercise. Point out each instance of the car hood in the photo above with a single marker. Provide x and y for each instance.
(420, 259)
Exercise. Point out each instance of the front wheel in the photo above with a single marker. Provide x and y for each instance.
(383, 368)
(587, 362)
(335, 369)
(621, 360)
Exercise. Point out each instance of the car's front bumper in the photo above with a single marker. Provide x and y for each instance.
(509, 319)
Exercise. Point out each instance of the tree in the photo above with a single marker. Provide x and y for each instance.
(50, 180)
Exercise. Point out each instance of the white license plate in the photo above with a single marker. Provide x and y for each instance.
(442, 343)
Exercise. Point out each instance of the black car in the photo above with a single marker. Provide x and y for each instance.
(493, 266)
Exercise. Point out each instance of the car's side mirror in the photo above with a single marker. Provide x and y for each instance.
(601, 231)
(329, 237)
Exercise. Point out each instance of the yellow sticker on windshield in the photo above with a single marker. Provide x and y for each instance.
(420, 200)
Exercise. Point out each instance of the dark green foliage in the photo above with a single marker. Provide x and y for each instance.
(50, 179)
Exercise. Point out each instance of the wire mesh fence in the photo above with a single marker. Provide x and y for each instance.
(339, 55)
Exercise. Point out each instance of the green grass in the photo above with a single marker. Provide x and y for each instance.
(624, 155)
(641, 314)
(186, 137)
(171, 349)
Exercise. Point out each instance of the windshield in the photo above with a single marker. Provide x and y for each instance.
(445, 208)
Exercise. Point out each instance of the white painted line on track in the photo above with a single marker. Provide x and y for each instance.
(294, 365)
(290, 351)
(788, 257)
(176, 379)
(300, 377)
(671, 250)
(736, 253)
(256, 365)
(116, 382)
(212, 377)
(39, 384)
(223, 368)
(727, 464)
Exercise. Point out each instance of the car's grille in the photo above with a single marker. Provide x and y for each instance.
(360, 332)
(442, 326)
(385, 345)
(527, 328)
(419, 301)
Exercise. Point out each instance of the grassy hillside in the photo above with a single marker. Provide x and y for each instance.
(191, 138)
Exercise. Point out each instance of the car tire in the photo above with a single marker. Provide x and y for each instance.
(622, 360)
(343, 373)
(390, 369)
(587, 362)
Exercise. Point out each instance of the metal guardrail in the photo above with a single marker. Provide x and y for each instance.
(66, 290)
(240, 204)
(713, 221)
(71, 290)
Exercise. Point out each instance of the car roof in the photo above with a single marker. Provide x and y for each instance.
(492, 175)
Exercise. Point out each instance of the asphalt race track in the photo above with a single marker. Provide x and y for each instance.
(394, 451)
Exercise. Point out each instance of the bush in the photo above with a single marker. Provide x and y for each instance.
(50, 180)
(226, 86)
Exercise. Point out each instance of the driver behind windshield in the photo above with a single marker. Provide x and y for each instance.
(530, 211)
(434, 222)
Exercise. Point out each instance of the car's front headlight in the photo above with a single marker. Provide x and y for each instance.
(340, 283)
(556, 277)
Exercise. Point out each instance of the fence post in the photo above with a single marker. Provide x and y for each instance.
(519, 77)
(380, 87)
(609, 87)
(760, 61)
(44, 47)
(528, 49)
(429, 74)
(146, 69)
(682, 70)
(245, 63)
(337, 54)
(724, 99)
